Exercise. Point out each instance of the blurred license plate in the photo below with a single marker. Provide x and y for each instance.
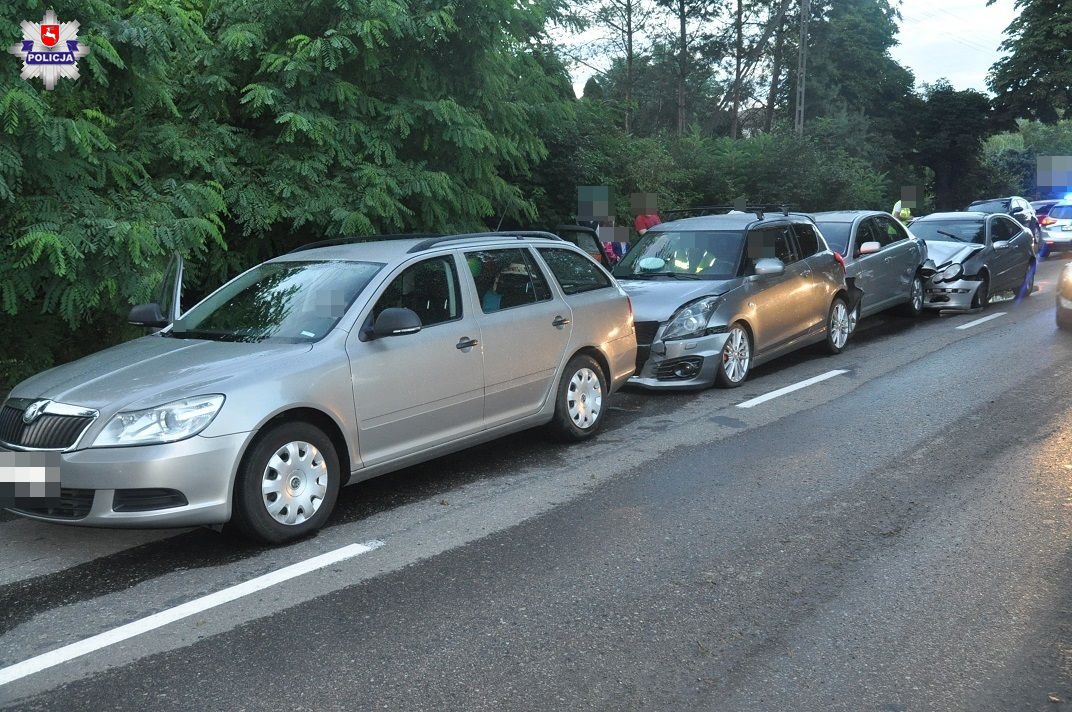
(1067, 228)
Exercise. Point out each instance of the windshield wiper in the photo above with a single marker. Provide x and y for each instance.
(949, 234)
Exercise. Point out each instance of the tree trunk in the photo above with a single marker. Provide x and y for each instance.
(629, 67)
(683, 68)
(776, 75)
(738, 59)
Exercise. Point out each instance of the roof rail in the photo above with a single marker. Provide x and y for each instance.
(759, 210)
(362, 238)
(516, 234)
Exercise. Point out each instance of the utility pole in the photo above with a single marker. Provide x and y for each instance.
(802, 64)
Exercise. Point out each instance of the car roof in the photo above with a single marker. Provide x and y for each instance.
(960, 215)
(845, 216)
(397, 248)
(728, 221)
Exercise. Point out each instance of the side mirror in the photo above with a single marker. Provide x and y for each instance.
(1001, 245)
(1016, 211)
(396, 321)
(148, 315)
(870, 248)
(769, 266)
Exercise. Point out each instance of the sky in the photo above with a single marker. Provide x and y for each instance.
(954, 39)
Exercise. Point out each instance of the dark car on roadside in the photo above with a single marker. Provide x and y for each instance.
(1019, 209)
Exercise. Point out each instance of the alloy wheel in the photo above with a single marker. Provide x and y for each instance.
(839, 324)
(294, 483)
(736, 355)
(584, 398)
(917, 295)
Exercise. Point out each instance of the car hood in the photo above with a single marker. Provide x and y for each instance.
(658, 299)
(944, 252)
(152, 370)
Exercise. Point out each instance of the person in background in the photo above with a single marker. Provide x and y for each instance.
(643, 223)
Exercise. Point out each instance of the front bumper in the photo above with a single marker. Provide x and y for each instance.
(682, 364)
(1064, 310)
(201, 470)
(951, 295)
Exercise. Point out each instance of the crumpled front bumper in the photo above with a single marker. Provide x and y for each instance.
(681, 364)
(950, 295)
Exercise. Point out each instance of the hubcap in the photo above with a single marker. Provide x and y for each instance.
(294, 483)
(584, 398)
(917, 294)
(736, 356)
(839, 325)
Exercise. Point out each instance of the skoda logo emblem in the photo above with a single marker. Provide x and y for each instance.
(34, 410)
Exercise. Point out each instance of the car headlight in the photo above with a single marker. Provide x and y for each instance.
(952, 272)
(691, 320)
(163, 424)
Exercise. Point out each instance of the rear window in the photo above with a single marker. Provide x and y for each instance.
(837, 235)
(574, 273)
(1061, 212)
(990, 206)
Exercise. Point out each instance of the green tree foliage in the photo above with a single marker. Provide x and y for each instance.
(1034, 80)
(952, 127)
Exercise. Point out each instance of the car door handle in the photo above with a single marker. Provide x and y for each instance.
(466, 343)
(560, 321)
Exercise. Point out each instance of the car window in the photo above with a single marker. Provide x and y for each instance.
(776, 242)
(574, 273)
(283, 302)
(1061, 212)
(836, 234)
(587, 242)
(506, 279)
(971, 230)
(1003, 229)
(866, 232)
(429, 288)
(991, 206)
(807, 239)
(891, 229)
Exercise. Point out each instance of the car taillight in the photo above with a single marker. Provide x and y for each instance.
(841, 261)
(1047, 221)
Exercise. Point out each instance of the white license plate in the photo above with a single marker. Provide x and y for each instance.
(1067, 228)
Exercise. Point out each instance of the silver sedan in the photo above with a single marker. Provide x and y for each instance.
(882, 256)
(973, 256)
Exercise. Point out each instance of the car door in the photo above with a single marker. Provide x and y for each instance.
(1004, 261)
(872, 274)
(525, 328)
(776, 312)
(416, 391)
(817, 268)
(901, 257)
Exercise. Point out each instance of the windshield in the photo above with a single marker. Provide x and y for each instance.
(691, 254)
(990, 206)
(972, 231)
(836, 234)
(281, 302)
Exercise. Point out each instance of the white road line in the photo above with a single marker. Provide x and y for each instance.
(789, 389)
(977, 322)
(157, 620)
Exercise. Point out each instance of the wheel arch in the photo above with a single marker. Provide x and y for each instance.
(599, 356)
(316, 418)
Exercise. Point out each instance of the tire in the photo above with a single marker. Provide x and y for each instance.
(581, 401)
(914, 306)
(837, 328)
(301, 460)
(982, 294)
(736, 358)
(1028, 285)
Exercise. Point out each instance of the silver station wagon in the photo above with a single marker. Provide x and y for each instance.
(716, 295)
(324, 367)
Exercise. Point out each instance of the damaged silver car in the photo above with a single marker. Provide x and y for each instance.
(974, 256)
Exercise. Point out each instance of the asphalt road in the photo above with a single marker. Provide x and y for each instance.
(894, 537)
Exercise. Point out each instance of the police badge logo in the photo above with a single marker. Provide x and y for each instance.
(49, 50)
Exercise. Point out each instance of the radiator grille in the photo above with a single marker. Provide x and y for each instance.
(47, 432)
